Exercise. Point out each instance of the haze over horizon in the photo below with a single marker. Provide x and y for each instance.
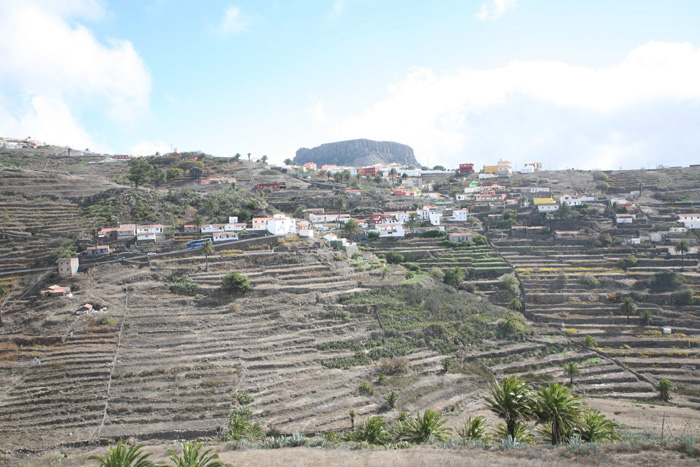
(572, 84)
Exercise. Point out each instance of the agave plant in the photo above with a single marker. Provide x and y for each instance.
(192, 457)
(596, 427)
(429, 426)
(123, 455)
(473, 429)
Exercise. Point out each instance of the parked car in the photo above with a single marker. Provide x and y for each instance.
(151, 253)
(118, 258)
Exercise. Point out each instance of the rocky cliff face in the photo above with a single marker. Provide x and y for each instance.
(357, 153)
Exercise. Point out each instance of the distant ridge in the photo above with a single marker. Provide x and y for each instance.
(357, 153)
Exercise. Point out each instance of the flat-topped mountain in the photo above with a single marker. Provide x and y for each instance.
(357, 153)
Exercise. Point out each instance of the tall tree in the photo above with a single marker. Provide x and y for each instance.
(682, 248)
(198, 221)
(512, 401)
(556, 405)
(351, 228)
(628, 307)
(139, 171)
(571, 369)
(207, 249)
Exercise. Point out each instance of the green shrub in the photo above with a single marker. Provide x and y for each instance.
(393, 257)
(510, 283)
(683, 297)
(666, 282)
(184, 285)
(366, 388)
(434, 234)
(391, 399)
(590, 280)
(244, 398)
(478, 239)
(454, 277)
(515, 305)
(514, 327)
(106, 321)
(235, 282)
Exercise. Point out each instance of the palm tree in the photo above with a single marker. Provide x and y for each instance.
(556, 405)
(237, 157)
(589, 342)
(646, 317)
(412, 222)
(122, 455)
(665, 387)
(191, 456)
(198, 221)
(351, 228)
(424, 427)
(512, 401)
(472, 429)
(595, 427)
(207, 249)
(628, 307)
(571, 369)
(376, 431)
(352, 414)
(682, 248)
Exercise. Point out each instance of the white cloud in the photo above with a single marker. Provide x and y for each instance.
(149, 148)
(54, 66)
(494, 9)
(539, 109)
(233, 22)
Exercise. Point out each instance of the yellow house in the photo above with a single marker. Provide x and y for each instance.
(543, 200)
(490, 169)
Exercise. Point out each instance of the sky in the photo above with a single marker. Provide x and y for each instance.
(594, 84)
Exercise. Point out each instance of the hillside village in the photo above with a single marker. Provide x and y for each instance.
(362, 282)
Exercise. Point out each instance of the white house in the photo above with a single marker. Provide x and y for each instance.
(155, 228)
(690, 220)
(459, 215)
(390, 230)
(224, 236)
(678, 229)
(570, 200)
(212, 228)
(401, 216)
(124, 233)
(281, 225)
(307, 233)
(548, 207)
(624, 218)
(259, 223)
(620, 201)
(148, 237)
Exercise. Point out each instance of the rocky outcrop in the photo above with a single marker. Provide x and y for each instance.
(357, 153)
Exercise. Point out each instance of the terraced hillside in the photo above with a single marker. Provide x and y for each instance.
(576, 290)
(156, 363)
